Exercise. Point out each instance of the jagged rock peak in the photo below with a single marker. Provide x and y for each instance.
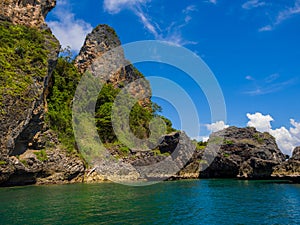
(31, 13)
(103, 57)
(102, 39)
(244, 153)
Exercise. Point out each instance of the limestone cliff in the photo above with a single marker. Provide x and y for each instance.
(104, 40)
(28, 57)
(30, 13)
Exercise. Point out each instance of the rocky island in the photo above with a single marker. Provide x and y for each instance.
(37, 144)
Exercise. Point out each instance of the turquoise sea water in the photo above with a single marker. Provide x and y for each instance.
(176, 202)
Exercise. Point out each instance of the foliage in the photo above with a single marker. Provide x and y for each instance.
(41, 155)
(139, 117)
(226, 155)
(64, 79)
(24, 162)
(124, 149)
(157, 152)
(112, 31)
(200, 145)
(2, 162)
(168, 123)
(118, 147)
(103, 123)
(259, 138)
(66, 54)
(139, 120)
(23, 60)
(202, 161)
(228, 142)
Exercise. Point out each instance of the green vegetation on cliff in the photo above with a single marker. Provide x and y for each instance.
(23, 63)
(23, 60)
(64, 82)
(139, 117)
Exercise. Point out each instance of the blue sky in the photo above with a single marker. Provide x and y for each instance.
(252, 47)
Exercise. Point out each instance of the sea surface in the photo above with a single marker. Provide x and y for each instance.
(176, 202)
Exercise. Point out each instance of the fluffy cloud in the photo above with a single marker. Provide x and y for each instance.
(261, 122)
(214, 127)
(286, 138)
(69, 30)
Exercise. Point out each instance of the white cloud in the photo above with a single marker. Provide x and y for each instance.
(188, 19)
(271, 88)
(217, 126)
(190, 8)
(265, 28)
(261, 122)
(249, 78)
(284, 139)
(69, 30)
(268, 85)
(287, 138)
(253, 4)
(187, 11)
(272, 77)
(296, 130)
(285, 14)
(147, 23)
(282, 16)
(171, 33)
(115, 6)
(212, 1)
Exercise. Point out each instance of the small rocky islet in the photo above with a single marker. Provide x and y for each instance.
(34, 151)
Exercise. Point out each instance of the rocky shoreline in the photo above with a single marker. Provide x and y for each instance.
(31, 153)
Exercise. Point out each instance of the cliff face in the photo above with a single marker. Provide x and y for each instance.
(244, 153)
(30, 13)
(28, 57)
(290, 169)
(103, 40)
(25, 80)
